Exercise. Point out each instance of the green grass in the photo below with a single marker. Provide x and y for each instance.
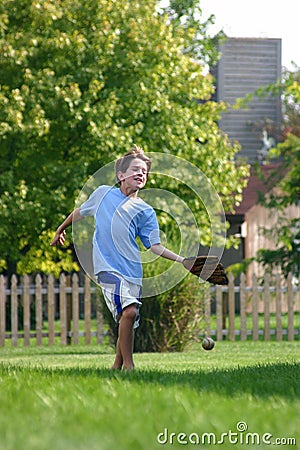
(68, 399)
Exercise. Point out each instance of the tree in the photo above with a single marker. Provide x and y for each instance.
(286, 235)
(291, 102)
(80, 82)
(187, 15)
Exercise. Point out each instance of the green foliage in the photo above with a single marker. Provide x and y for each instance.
(286, 233)
(288, 87)
(187, 15)
(40, 258)
(286, 256)
(289, 151)
(79, 83)
(172, 320)
(239, 268)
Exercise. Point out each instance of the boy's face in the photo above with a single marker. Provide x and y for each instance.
(135, 177)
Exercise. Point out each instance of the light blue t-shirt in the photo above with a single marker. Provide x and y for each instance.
(119, 220)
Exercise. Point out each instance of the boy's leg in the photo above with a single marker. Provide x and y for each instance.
(117, 365)
(126, 336)
(118, 293)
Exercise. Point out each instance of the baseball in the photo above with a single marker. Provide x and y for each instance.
(208, 343)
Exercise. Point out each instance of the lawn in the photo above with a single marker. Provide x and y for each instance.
(239, 395)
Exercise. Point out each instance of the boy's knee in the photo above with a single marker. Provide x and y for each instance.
(130, 312)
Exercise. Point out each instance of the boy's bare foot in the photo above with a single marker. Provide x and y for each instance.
(128, 368)
(113, 367)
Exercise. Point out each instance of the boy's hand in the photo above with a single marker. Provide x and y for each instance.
(59, 238)
(188, 264)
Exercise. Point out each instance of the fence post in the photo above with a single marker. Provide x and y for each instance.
(68, 310)
(75, 308)
(219, 299)
(87, 309)
(26, 310)
(231, 307)
(254, 309)
(243, 307)
(267, 307)
(2, 311)
(278, 310)
(99, 320)
(38, 309)
(14, 311)
(63, 309)
(207, 311)
(290, 307)
(51, 309)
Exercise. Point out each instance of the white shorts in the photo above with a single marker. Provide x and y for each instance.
(119, 293)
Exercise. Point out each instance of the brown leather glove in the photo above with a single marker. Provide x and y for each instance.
(206, 267)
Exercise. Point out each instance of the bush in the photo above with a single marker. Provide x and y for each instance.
(170, 321)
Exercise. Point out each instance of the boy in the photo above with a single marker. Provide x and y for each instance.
(120, 217)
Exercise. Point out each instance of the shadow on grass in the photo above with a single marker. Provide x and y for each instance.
(278, 379)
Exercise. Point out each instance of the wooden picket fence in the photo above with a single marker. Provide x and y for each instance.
(265, 302)
(48, 311)
(58, 304)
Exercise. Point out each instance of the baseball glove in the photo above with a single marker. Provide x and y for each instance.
(206, 267)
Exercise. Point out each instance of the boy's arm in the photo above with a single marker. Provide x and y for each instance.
(59, 238)
(160, 250)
